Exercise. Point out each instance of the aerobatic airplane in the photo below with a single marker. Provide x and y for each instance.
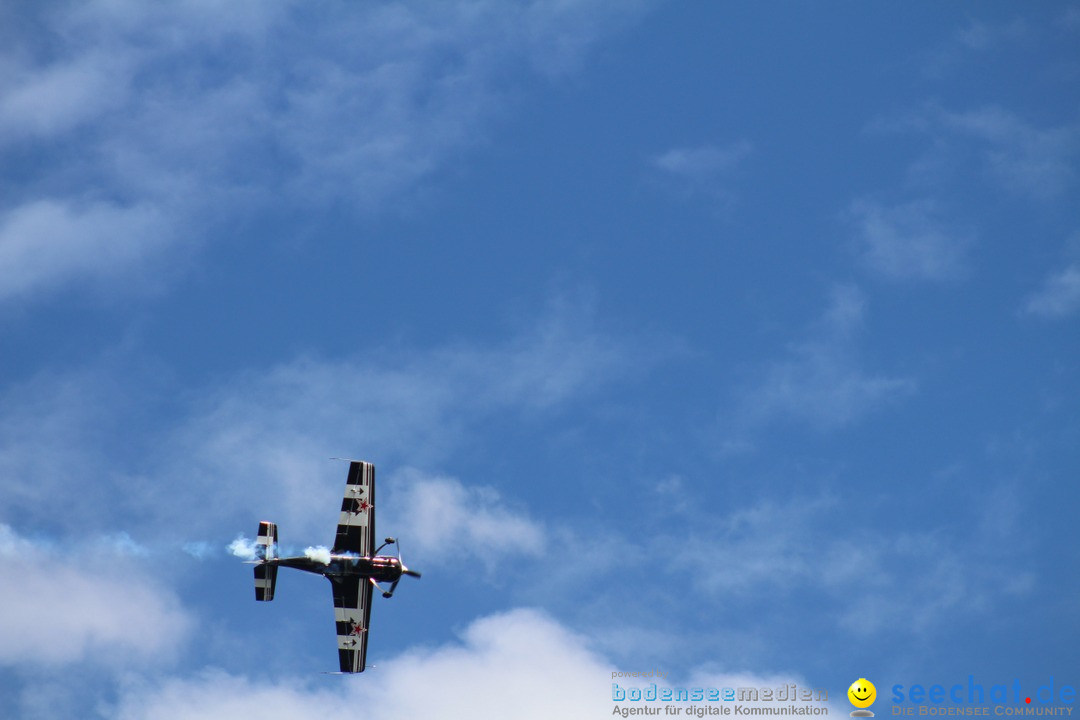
(352, 566)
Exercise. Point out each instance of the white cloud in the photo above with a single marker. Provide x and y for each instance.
(146, 119)
(73, 603)
(762, 547)
(258, 442)
(444, 519)
(820, 381)
(908, 241)
(993, 143)
(704, 170)
(58, 98)
(807, 546)
(977, 35)
(519, 663)
(1025, 159)
(269, 432)
(822, 388)
(1069, 19)
(703, 162)
(1059, 295)
(973, 39)
(54, 423)
(47, 243)
(504, 664)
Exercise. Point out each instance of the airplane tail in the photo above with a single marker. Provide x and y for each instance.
(266, 549)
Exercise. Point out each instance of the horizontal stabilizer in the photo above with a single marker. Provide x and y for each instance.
(266, 549)
(266, 541)
(265, 581)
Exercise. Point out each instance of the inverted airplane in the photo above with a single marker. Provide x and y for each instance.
(353, 568)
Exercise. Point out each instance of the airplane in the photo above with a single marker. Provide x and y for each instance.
(351, 566)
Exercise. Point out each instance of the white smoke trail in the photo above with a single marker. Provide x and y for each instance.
(243, 548)
(318, 554)
(200, 549)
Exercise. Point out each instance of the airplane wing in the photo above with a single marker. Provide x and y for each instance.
(352, 611)
(356, 524)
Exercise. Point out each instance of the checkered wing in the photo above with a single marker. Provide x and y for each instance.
(356, 524)
(352, 611)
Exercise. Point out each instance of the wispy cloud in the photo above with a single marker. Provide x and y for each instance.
(704, 162)
(267, 433)
(1026, 159)
(820, 381)
(65, 604)
(703, 170)
(909, 241)
(45, 244)
(760, 548)
(1069, 19)
(53, 99)
(1017, 155)
(775, 548)
(974, 39)
(138, 134)
(57, 420)
(270, 431)
(1058, 297)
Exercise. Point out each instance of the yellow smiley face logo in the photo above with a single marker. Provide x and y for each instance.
(862, 693)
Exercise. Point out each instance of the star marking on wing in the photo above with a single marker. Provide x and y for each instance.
(360, 506)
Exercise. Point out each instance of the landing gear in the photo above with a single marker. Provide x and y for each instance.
(385, 593)
(387, 541)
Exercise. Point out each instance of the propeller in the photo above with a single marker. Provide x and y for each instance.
(404, 571)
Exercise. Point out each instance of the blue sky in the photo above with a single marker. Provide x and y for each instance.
(736, 341)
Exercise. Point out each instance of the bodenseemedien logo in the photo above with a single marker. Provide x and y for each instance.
(862, 694)
(790, 699)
